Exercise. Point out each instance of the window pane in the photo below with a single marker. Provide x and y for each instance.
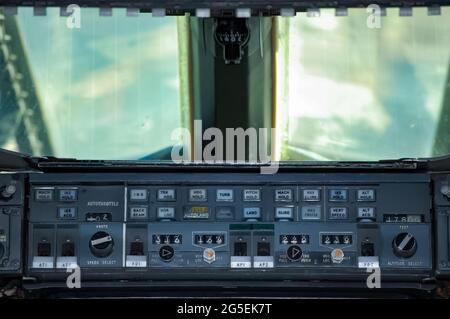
(346, 91)
(109, 89)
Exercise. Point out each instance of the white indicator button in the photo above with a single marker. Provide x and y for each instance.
(338, 213)
(366, 212)
(43, 194)
(338, 195)
(67, 212)
(366, 195)
(138, 194)
(197, 195)
(286, 213)
(67, 195)
(311, 195)
(224, 195)
(138, 212)
(252, 213)
(166, 213)
(311, 212)
(252, 195)
(166, 195)
(283, 195)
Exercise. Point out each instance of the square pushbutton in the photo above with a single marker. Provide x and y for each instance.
(338, 195)
(224, 195)
(311, 212)
(68, 195)
(284, 213)
(198, 195)
(138, 212)
(166, 213)
(365, 195)
(43, 194)
(252, 213)
(366, 213)
(67, 212)
(138, 194)
(338, 213)
(251, 195)
(283, 195)
(168, 195)
(311, 195)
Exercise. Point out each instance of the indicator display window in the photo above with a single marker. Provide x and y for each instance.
(166, 239)
(336, 239)
(209, 239)
(403, 218)
(294, 239)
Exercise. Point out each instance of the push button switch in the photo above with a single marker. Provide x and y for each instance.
(365, 195)
(338, 213)
(224, 195)
(166, 195)
(43, 194)
(198, 195)
(283, 195)
(252, 213)
(67, 212)
(338, 195)
(68, 195)
(284, 213)
(251, 195)
(138, 194)
(311, 195)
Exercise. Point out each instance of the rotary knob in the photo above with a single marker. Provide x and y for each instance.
(166, 253)
(101, 244)
(8, 191)
(294, 253)
(405, 245)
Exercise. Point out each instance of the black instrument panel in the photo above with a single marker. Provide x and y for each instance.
(240, 228)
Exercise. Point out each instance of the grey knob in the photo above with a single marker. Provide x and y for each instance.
(8, 191)
(445, 190)
(405, 245)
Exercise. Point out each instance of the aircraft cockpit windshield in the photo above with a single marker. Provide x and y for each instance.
(115, 87)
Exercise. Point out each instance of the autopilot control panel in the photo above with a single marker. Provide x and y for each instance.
(230, 225)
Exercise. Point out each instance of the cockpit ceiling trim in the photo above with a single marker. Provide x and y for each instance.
(228, 8)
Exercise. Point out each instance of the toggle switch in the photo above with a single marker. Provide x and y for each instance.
(44, 248)
(263, 249)
(240, 248)
(367, 249)
(137, 248)
(68, 249)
